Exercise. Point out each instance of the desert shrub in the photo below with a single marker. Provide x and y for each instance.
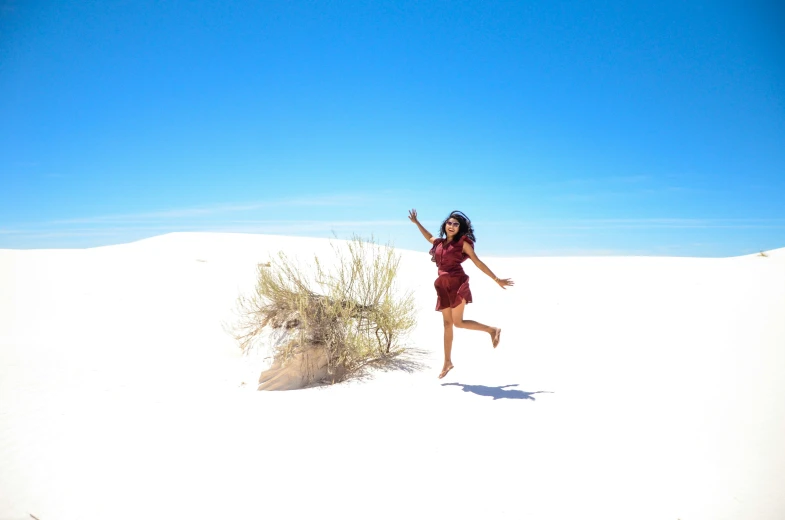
(352, 309)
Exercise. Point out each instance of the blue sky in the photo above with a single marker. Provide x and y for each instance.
(560, 128)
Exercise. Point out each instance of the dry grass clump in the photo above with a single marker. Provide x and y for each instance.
(352, 311)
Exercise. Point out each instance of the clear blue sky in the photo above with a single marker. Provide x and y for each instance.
(561, 128)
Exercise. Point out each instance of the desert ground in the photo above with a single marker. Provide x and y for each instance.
(623, 388)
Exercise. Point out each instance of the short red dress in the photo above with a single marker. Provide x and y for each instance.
(452, 285)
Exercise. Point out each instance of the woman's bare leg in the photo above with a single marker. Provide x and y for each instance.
(458, 321)
(447, 315)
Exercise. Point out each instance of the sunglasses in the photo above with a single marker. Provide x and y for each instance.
(452, 224)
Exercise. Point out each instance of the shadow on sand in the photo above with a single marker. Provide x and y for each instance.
(497, 392)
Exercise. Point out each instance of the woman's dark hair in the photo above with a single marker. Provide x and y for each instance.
(465, 229)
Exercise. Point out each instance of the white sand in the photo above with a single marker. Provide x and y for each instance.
(663, 395)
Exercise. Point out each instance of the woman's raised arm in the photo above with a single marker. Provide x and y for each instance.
(425, 233)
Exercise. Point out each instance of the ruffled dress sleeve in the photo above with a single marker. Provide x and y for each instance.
(460, 244)
(432, 252)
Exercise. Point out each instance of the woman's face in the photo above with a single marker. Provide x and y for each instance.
(451, 227)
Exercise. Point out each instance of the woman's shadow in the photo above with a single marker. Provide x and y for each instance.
(497, 392)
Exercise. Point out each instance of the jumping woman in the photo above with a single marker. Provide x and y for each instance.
(454, 245)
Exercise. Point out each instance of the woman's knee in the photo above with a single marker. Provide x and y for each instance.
(447, 324)
(458, 323)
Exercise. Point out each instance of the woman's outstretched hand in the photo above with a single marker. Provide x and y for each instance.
(413, 215)
(504, 282)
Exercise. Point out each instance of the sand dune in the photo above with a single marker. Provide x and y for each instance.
(624, 387)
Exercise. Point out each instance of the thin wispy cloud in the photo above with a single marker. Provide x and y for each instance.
(690, 223)
(630, 179)
(183, 213)
(76, 233)
(648, 223)
(599, 189)
(641, 192)
(585, 182)
(26, 164)
(325, 223)
(587, 197)
(316, 227)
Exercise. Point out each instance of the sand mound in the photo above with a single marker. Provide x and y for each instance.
(303, 369)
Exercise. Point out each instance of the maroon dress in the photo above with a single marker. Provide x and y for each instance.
(452, 285)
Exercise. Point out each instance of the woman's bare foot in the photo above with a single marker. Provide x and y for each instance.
(446, 369)
(496, 335)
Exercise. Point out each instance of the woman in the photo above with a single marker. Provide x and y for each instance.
(452, 285)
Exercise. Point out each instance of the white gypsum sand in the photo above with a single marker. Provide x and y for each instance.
(661, 394)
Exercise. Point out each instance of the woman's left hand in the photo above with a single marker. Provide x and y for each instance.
(504, 282)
